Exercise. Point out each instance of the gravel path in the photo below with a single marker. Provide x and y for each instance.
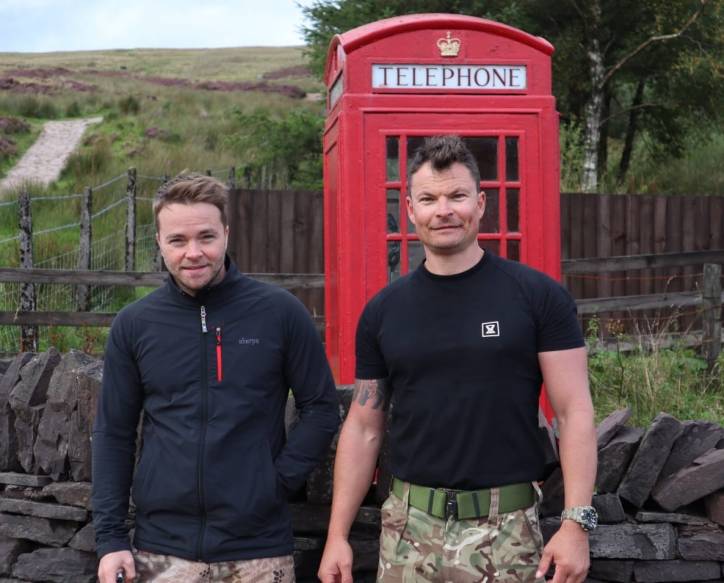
(46, 158)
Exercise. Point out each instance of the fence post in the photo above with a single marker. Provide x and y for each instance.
(711, 317)
(131, 221)
(208, 172)
(84, 251)
(28, 301)
(231, 181)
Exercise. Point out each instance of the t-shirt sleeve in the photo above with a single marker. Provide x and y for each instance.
(369, 362)
(558, 327)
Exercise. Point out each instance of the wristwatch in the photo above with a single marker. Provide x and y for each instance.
(585, 516)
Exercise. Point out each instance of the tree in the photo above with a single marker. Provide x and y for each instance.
(621, 67)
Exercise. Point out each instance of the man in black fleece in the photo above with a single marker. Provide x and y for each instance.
(207, 361)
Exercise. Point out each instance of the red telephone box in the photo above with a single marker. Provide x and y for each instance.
(390, 84)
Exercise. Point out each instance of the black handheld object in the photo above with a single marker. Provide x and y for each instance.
(121, 576)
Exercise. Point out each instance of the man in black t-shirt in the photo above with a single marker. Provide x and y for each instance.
(460, 348)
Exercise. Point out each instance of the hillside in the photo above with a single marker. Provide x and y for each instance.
(164, 110)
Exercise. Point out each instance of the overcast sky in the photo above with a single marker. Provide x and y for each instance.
(72, 25)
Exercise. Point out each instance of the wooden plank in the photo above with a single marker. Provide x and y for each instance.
(716, 222)
(273, 235)
(142, 279)
(577, 202)
(618, 242)
(674, 227)
(590, 240)
(689, 244)
(638, 302)
(566, 232)
(286, 226)
(302, 226)
(660, 240)
(243, 229)
(651, 260)
(56, 319)
(258, 228)
(646, 240)
(633, 227)
(316, 250)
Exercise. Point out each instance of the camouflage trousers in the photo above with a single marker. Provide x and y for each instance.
(153, 568)
(416, 547)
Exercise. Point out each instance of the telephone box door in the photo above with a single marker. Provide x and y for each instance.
(507, 149)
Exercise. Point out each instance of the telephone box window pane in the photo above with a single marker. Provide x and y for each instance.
(493, 246)
(511, 159)
(415, 255)
(393, 260)
(485, 151)
(393, 211)
(490, 222)
(413, 143)
(393, 158)
(512, 196)
(514, 250)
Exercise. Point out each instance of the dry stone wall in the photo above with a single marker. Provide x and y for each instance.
(660, 490)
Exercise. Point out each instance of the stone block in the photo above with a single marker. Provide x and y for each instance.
(27, 399)
(8, 441)
(649, 459)
(319, 483)
(51, 445)
(57, 566)
(672, 517)
(633, 541)
(614, 458)
(88, 385)
(701, 544)
(17, 479)
(49, 532)
(84, 539)
(609, 508)
(703, 477)
(714, 504)
(70, 493)
(607, 570)
(10, 548)
(697, 437)
(669, 571)
(611, 425)
(42, 510)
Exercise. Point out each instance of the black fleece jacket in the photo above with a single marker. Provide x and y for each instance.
(210, 374)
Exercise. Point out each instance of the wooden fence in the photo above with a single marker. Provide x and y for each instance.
(281, 232)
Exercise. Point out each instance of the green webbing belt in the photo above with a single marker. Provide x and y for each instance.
(465, 504)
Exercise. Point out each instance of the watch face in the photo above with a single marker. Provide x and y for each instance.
(589, 518)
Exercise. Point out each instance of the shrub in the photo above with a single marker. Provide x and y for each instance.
(129, 105)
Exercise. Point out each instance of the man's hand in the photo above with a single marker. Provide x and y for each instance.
(336, 565)
(568, 550)
(112, 563)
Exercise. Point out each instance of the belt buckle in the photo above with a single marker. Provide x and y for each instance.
(451, 504)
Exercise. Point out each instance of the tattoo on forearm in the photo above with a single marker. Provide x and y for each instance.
(373, 391)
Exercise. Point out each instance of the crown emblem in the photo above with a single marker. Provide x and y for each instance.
(449, 47)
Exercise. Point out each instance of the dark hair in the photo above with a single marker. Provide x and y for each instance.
(442, 152)
(191, 189)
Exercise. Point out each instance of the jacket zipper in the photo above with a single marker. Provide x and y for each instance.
(219, 361)
(202, 441)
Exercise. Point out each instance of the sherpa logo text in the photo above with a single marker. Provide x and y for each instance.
(491, 329)
(252, 341)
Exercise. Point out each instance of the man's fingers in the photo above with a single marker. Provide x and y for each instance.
(544, 564)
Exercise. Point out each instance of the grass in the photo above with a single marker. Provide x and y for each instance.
(652, 378)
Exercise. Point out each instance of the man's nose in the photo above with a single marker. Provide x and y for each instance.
(193, 249)
(442, 206)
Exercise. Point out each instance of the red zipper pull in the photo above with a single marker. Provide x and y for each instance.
(219, 363)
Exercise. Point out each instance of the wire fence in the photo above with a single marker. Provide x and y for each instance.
(56, 245)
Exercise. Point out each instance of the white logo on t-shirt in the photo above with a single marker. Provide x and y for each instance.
(491, 329)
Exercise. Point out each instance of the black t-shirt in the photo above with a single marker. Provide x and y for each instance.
(460, 354)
